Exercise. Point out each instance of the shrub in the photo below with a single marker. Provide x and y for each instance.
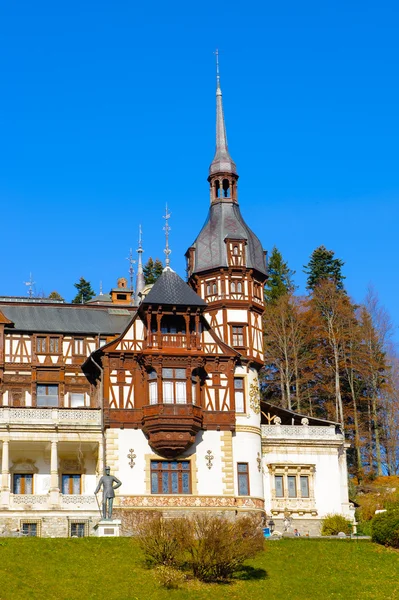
(218, 547)
(169, 577)
(163, 541)
(385, 529)
(333, 524)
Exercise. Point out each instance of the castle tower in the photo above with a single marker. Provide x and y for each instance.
(226, 267)
(226, 263)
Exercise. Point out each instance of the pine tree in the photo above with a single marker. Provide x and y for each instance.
(85, 291)
(323, 266)
(280, 280)
(152, 270)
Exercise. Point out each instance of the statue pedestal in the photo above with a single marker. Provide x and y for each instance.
(108, 528)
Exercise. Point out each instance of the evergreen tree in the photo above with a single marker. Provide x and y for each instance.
(323, 266)
(152, 270)
(280, 280)
(85, 291)
(55, 296)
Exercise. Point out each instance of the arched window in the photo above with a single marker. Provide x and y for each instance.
(239, 287)
(215, 289)
(235, 250)
(226, 188)
(233, 287)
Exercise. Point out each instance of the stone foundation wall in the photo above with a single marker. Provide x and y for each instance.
(48, 526)
(305, 527)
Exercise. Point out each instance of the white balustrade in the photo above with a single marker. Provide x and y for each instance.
(304, 432)
(9, 415)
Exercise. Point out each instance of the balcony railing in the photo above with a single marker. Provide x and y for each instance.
(300, 432)
(42, 501)
(50, 416)
(172, 340)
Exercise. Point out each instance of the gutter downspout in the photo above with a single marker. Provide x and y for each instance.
(102, 408)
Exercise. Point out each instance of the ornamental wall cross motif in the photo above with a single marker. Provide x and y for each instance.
(131, 456)
(209, 458)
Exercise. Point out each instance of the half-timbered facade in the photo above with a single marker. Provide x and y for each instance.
(162, 386)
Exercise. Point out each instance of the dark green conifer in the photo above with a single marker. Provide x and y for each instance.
(85, 291)
(280, 279)
(323, 266)
(152, 270)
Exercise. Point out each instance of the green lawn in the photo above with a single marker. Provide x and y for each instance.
(113, 569)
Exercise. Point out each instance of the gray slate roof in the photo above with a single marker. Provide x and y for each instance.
(225, 221)
(170, 289)
(66, 319)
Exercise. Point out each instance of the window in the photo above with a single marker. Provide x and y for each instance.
(47, 345)
(41, 345)
(77, 400)
(121, 296)
(78, 347)
(279, 485)
(102, 342)
(174, 386)
(170, 477)
(292, 483)
(239, 394)
(31, 529)
(78, 529)
(47, 395)
(153, 387)
(211, 288)
(243, 479)
(291, 480)
(71, 484)
(304, 480)
(238, 335)
(22, 483)
(54, 345)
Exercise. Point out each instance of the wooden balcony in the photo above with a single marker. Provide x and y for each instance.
(171, 428)
(173, 340)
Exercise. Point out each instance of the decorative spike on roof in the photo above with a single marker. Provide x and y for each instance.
(140, 281)
(222, 161)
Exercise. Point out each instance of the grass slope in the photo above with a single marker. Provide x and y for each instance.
(109, 569)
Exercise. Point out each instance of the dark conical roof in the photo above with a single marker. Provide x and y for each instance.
(170, 289)
(225, 221)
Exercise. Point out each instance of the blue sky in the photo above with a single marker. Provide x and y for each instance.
(107, 112)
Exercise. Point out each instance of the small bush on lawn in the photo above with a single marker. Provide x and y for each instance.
(218, 547)
(334, 524)
(163, 541)
(169, 577)
(385, 529)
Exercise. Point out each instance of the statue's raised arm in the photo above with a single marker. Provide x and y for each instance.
(109, 484)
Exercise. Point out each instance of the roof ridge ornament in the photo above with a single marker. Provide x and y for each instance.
(166, 229)
(140, 281)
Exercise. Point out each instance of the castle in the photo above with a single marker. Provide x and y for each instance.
(162, 386)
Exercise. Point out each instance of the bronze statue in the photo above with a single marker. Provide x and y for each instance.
(107, 481)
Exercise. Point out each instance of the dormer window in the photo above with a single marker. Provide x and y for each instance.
(236, 253)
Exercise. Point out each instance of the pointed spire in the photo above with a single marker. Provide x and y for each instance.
(222, 161)
(140, 281)
(166, 229)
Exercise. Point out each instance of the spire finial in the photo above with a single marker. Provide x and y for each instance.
(30, 285)
(131, 268)
(166, 229)
(140, 281)
(217, 69)
(101, 288)
(222, 161)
